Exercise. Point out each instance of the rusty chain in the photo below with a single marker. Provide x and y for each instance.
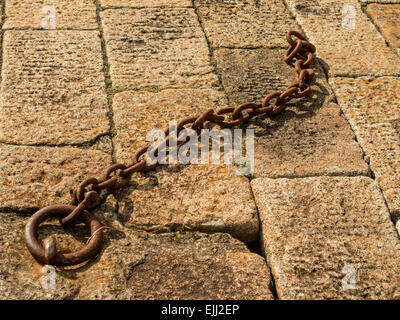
(87, 195)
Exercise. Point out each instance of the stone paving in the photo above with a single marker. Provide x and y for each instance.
(82, 82)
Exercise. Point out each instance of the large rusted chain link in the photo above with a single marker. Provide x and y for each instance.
(87, 195)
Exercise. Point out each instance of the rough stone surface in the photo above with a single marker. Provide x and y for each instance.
(346, 48)
(387, 18)
(309, 138)
(104, 144)
(381, 1)
(138, 112)
(60, 14)
(32, 177)
(157, 47)
(316, 230)
(249, 23)
(145, 3)
(134, 266)
(53, 87)
(249, 75)
(205, 197)
(306, 141)
(372, 106)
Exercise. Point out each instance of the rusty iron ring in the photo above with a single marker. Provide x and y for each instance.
(62, 259)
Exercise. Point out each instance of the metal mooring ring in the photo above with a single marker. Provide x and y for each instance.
(62, 259)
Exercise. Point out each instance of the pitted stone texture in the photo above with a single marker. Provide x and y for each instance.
(346, 48)
(134, 266)
(52, 87)
(249, 23)
(60, 14)
(317, 231)
(32, 177)
(372, 106)
(145, 3)
(387, 18)
(205, 197)
(157, 48)
(249, 75)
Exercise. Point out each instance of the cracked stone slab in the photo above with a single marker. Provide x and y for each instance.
(387, 18)
(157, 48)
(133, 266)
(345, 38)
(40, 14)
(32, 177)
(145, 3)
(372, 107)
(309, 137)
(53, 87)
(207, 197)
(328, 238)
(247, 23)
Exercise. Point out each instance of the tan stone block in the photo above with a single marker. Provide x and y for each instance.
(157, 48)
(205, 197)
(345, 38)
(249, 75)
(138, 112)
(145, 3)
(372, 107)
(32, 177)
(305, 141)
(247, 23)
(381, 1)
(134, 266)
(60, 14)
(309, 137)
(52, 88)
(387, 18)
(320, 234)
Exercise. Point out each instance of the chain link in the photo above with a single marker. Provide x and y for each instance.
(87, 195)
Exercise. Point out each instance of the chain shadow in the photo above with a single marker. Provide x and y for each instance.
(301, 108)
